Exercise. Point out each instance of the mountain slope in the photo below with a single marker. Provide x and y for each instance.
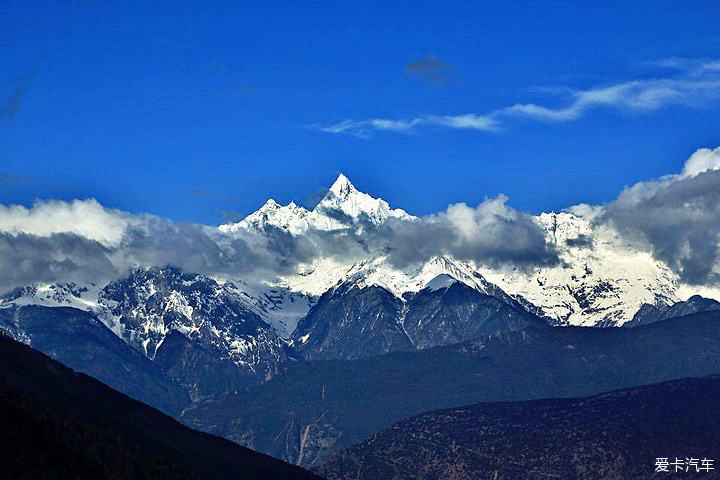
(56, 420)
(221, 325)
(79, 340)
(82, 296)
(651, 313)
(613, 435)
(317, 407)
(193, 326)
(449, 311)
(354, 321)
(350, 322)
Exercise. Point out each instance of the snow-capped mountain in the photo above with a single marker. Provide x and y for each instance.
(291, 218)
(343, 206)
(376, 309)
(82, 296)
(600, 281)
(205, 317)
(435, 273)
(208, 336)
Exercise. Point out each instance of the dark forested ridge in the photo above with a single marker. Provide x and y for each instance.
(616, 435)
(57, 423)
(315, 408)
(79, 340)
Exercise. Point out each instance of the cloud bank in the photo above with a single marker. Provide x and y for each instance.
(676, 218)
(492, 233)
(84, 241)
(693, 84)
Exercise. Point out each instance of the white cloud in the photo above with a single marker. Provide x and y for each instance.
(85, 218)
(696, 85)
(703, 160)
(586, 211)
(83, 241)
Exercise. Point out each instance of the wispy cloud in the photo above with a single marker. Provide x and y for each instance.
(696, 84)
(364, 128)
(691, 65)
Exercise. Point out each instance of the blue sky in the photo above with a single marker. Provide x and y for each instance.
(196, 110)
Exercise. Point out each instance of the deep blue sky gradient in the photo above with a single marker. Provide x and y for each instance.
(195, 110)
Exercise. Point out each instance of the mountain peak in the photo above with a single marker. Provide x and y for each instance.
(353, 204)
(342, 186)
(271, 204)
(341, 206)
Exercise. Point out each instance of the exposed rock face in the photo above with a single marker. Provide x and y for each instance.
(196, 329)
(454, 313)
(350, 322)
(356, 320)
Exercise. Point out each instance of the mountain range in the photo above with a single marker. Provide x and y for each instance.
(599, 281)
(329, 352)
(212, 335)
